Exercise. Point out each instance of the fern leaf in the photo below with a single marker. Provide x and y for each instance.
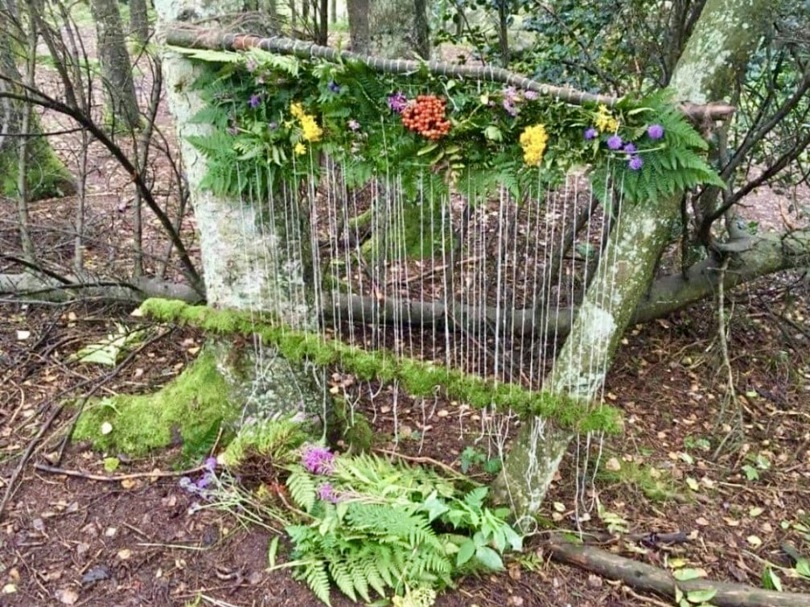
(343, 578)
(314, 574)
(302, 490)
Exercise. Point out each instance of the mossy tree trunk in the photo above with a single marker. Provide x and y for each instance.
(116, 66)
(46, 176)
(727, 31)
(250, 262)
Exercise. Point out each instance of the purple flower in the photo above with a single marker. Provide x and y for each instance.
(635, 163)
(318, 460)
(530, 95)
(591, 133)
(327, 493)
(205, 480)
(353, 125)
(398, 102)
(185, 483)
(210, 464)
(655, 131)
(510, 94)
(629, 148)
(614, 142)
(333, 86)
(510, 108)
(254, 100)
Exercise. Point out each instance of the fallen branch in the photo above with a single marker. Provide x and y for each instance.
(116, 478)
(188, 36)
(642, 576)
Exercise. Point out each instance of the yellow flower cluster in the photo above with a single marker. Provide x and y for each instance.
(533, 141)
(605, 121)
(310, 128)
(299, 149)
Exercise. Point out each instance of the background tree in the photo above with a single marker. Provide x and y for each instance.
(116, 65)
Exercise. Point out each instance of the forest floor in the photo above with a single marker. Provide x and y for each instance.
(138, 540)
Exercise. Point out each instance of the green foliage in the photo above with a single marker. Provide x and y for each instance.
(272, 116)
(274, 440)
(109, 350)
(379, 526)
(472, 458)
(385, 367)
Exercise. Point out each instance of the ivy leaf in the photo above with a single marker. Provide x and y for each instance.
(435, 506)
(465, 552)
(489, 558)
(690, 573)
(701, 596)
(803, 568)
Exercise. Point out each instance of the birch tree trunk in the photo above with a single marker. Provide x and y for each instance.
(727, 31)
(255, 255)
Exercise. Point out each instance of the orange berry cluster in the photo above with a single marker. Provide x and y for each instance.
(426, 117)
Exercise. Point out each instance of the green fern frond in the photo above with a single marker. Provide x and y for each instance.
(315, 575)
(344, 578)
(302, 490)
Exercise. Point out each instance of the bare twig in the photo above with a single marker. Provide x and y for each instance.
(116, 478)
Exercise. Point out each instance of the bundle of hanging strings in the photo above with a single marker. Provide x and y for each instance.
(442, 223)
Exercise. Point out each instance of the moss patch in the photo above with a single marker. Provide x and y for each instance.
(191, 407)
(417, 377)
(47, 176)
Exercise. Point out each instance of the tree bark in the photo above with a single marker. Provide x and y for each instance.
(359, 33)
(625, 270)
(139, 20)
(46, 175)
(116, 67)
(254, 258)
(652, 579)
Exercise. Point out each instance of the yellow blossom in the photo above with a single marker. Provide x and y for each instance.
(605, 121)
(312, 132)
(533, 141)
(297, 110)
(299, 149)
(310, 128)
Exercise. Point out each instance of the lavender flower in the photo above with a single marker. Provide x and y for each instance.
(318, 460)
(635, 163)
(333, 86)
(353, 125)
(398, 102)
(255, 100)
(327, 493)
(614, 142)
(629, 148)
(591, 133)
(205, 480)
(655, 131)
(530, 95)
(510, 108)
